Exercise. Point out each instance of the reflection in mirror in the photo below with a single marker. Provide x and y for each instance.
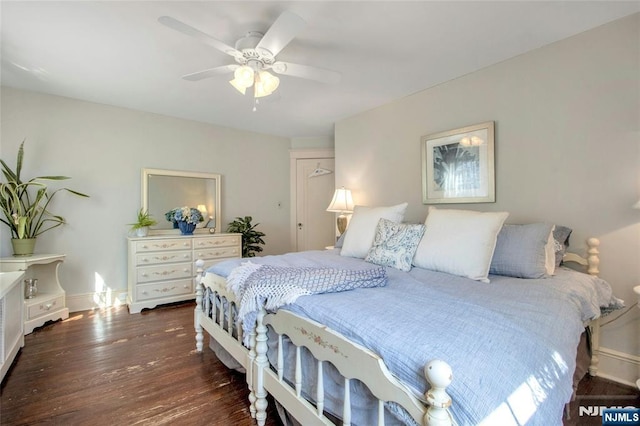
(164, 190)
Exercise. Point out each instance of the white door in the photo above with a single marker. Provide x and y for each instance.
(315, 227)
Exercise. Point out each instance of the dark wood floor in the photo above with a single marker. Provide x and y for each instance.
(110, 367)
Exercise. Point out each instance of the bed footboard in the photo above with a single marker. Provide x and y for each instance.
(217, 316)
(352, 361)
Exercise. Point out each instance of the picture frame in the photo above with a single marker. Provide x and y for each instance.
(458, 165)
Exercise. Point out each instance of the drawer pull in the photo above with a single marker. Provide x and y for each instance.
(48, 306)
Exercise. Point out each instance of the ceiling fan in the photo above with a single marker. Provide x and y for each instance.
(255, 54)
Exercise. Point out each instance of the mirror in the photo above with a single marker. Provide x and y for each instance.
(164, 190)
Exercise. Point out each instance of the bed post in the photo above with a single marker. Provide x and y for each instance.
(593, 260)
(261, 363)
(249, 376)
(439, 376)
(198, 310)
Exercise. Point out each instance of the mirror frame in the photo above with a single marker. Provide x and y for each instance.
(145, 197)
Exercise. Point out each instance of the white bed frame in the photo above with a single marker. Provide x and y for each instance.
(353, 361)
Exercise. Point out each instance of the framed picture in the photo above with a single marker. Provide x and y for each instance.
(458, 166)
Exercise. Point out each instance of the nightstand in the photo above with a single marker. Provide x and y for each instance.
(49, 303)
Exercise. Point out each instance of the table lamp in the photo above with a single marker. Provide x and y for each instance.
(342, 203)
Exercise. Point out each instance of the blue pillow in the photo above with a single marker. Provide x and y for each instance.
(394, 244)
(520, 251)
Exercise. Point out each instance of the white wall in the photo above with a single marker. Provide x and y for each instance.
(567, 150)
(314, 142)
(103, 150)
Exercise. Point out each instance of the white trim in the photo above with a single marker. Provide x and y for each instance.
(294, 156)
(619, 366)
(87, 301)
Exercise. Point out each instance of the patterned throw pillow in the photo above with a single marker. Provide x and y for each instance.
(561, 236)
(394, 244)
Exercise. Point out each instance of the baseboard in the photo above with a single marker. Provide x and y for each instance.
(87, 301)
(619, 366)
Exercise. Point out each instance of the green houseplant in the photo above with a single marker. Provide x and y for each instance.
(142, 224)
(251, 239)
(25, 203)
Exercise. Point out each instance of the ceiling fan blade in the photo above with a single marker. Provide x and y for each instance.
(304, 71)
(200, 75)
(283, 30)
(180, 26)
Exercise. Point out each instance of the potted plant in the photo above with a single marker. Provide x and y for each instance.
(251, 239)
(25, 203)
(141, 226)
(186, 217)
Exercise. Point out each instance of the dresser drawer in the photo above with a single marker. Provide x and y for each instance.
(213, 242)
(164, 272)
(42, 308)
(163, 257)
(216, 253)
(163, 245)
(164, 289)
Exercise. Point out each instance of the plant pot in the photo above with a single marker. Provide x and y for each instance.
(142, 232)
(23, 246)
(186, 228)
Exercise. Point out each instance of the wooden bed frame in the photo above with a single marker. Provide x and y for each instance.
(353, 361)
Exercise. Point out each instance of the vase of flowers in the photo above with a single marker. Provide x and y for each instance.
(24, 206)
(186, 217)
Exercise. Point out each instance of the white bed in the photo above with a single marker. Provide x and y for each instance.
(310, 391)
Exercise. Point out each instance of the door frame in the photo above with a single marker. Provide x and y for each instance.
(294, 156)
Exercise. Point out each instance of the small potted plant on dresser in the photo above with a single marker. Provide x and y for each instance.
(141, 226)
(24, 205)
(251, 239)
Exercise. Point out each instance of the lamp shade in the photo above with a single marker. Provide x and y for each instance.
(342, 201)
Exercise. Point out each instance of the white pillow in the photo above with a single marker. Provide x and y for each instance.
(362, 227)
(459, 242)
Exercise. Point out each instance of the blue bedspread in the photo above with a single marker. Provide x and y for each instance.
(511, 343)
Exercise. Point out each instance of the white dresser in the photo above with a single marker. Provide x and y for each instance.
(161, 267)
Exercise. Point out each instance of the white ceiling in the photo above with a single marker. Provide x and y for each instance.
(116, 52)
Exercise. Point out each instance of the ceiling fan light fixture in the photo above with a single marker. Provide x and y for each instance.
(269, 81)
(240, 88)
(259, 90)
(244, 76)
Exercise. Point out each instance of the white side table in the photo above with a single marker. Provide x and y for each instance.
(11, 334)
(49, 303)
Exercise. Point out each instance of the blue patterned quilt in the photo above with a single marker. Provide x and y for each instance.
(511, 343)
